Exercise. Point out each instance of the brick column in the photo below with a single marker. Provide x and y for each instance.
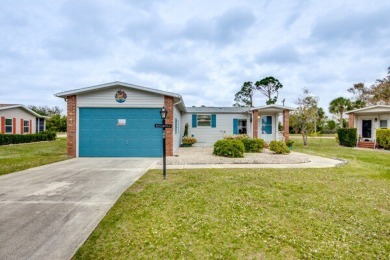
(168, 104)
(71, 125)
(255, 123)
(351, 120)
(286, 124)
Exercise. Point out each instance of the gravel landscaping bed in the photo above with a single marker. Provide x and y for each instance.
(204, 155)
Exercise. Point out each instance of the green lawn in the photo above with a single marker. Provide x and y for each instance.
(23, 156)
(330, 213)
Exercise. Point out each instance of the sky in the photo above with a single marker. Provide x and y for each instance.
(202, 50)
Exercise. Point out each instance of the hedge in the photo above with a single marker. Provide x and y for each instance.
(229, 148)
(6, 139)
(383, 138)
(347, 136)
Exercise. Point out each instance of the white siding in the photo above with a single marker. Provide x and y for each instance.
(176, 134)
(208, 135)
(375, 125)
(18, 113)
(106, 98)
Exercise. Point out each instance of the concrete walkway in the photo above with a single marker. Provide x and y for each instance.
(48, 212)
(200, 158)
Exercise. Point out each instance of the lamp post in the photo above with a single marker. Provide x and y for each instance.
(163, 113)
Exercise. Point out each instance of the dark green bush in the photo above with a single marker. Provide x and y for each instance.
(279, 147)
(255, 145)
(347, 136)
(26, 138)
(229, 148)
(383, 138)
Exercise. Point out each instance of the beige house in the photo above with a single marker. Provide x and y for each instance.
(18, 119)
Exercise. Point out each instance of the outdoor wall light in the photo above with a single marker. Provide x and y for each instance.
(163, 113)
(376, 119)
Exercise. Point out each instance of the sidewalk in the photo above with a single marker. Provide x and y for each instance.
(196, 158)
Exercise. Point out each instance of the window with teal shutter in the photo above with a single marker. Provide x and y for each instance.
(213, 120)
(235, 126)
(194, 121)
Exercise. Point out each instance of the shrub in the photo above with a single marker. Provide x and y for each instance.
(383, 138)
(347, 136)
(229, 148)
(236, 137)
(279, 147)
(185, 130)
(255, 145)
(6, 139)
(188, 140)
(289, 143)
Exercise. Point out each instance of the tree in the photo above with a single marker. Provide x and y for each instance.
(305, 115)
(244, 97)
(338, 106)
(376, 94)
(45, 110)
(269, 87)
(56, 123)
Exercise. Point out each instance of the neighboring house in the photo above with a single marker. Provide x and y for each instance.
(18, 119)
(118, 120)
(367, 120)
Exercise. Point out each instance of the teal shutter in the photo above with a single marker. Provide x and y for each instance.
(194, 121)
(213, 120)
(235, 126)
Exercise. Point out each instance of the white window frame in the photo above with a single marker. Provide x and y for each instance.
(383, 127)
(199, 120)
(12, 126)
(26, 127)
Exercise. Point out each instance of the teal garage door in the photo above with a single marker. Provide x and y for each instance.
(119, 132)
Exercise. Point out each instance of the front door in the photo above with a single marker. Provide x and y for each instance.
(266, 129)
(366, 129)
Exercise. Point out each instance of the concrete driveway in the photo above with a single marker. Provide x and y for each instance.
(48, 212)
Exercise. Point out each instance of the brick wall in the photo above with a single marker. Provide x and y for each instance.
(168, 104)
(71, 125)
(351, 121)
(255, 122)
(286, 124)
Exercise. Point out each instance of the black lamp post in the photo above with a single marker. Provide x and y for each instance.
(163, 113)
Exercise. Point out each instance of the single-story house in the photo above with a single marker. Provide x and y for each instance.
(367, 120)
(118, 120)
(18, 119)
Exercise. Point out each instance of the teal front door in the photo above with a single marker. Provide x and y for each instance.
(119, 132)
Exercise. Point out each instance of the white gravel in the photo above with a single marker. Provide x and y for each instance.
(204, 155)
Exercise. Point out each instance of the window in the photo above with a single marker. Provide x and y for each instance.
(8, 126)
(383, 124)
(175, 126)
(266, 124)
(204, 120)
(26, 126)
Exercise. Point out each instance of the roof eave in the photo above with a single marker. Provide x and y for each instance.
(112, 84)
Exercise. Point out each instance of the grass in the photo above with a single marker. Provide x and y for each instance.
(23, 156)
(341, 212)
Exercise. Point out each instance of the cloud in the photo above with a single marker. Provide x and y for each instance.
(221, 30)
(356, 27)
(282, 54)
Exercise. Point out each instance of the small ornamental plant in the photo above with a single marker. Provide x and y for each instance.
(229, 148)
(290, 143)
(188, 141)
(279, 147)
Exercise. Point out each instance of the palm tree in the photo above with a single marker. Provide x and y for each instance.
(338, 106)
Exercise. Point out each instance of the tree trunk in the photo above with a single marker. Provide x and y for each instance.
(304, 137)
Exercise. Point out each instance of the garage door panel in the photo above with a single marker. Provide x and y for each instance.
(99, 134)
